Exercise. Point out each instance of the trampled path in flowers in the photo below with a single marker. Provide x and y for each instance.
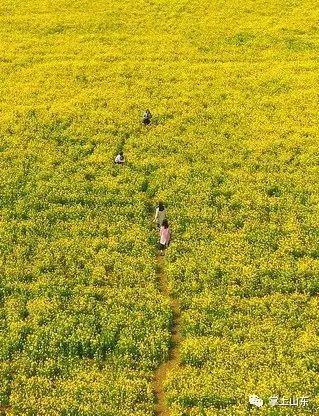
(161, 408)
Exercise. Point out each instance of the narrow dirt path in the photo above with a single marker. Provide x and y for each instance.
(3, 410)
(161, 409)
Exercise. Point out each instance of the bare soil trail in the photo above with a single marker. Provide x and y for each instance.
(161, 408)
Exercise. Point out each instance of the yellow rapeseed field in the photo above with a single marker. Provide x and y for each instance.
(232, 151)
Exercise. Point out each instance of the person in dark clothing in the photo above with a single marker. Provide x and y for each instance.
(147, 117)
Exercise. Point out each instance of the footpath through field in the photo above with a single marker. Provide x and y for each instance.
(161, 408)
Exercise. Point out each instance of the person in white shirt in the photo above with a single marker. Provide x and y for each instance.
(160, 214)
(119, 158)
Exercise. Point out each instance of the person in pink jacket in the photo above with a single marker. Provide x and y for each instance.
(165, 235)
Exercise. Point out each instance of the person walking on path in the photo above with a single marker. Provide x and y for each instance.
(160, 214)
(147, 117)
(165, 236)
(119, 158)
